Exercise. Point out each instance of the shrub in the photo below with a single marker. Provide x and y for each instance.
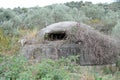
(49, 70)
(8, 44)
(4, 41)
(93, 11)
(110, 20)
(18, 68)
(118, 63)
(116, 30)
(11, 67)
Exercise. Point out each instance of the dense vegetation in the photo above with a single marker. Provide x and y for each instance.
(18, 68)
(16, 23)
(98, 15)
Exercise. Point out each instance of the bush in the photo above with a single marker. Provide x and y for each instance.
(110, 20)
(118, 63)
(8, 43)
(4, 41)
(116, 30)
(49, 70)
(11, 67)
(93, 11)
(18, 68)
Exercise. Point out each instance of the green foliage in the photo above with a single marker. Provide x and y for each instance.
(118, 63)
(94, 11)
(6, 15)
(7, 42)
(110, 20)
(78, 15)
(95, 21)
(106, 70)
(4, 41)
(11, 20)
(74, 4)
(11, 67)
(18, 68)
(49, 70)
(115, 6)
(116, 30)
(60, 13)
(39, 17)
(56, 70)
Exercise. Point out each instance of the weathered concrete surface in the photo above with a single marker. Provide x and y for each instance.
(39, 51)
(60, 26)
(93, 47)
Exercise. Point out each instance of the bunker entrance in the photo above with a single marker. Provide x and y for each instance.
(61, 35)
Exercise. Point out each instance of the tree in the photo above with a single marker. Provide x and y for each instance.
(6, 15)
(116, 30)
(74, 4)
(93, 11)
(115, 6)
(60, 13)
(78, 15)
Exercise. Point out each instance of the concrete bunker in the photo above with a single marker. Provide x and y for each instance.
(67, 38)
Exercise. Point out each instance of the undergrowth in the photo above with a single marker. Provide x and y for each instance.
(17, 67)
(4, 41)
(8, 44)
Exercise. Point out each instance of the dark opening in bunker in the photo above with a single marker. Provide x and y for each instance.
(61, 35)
